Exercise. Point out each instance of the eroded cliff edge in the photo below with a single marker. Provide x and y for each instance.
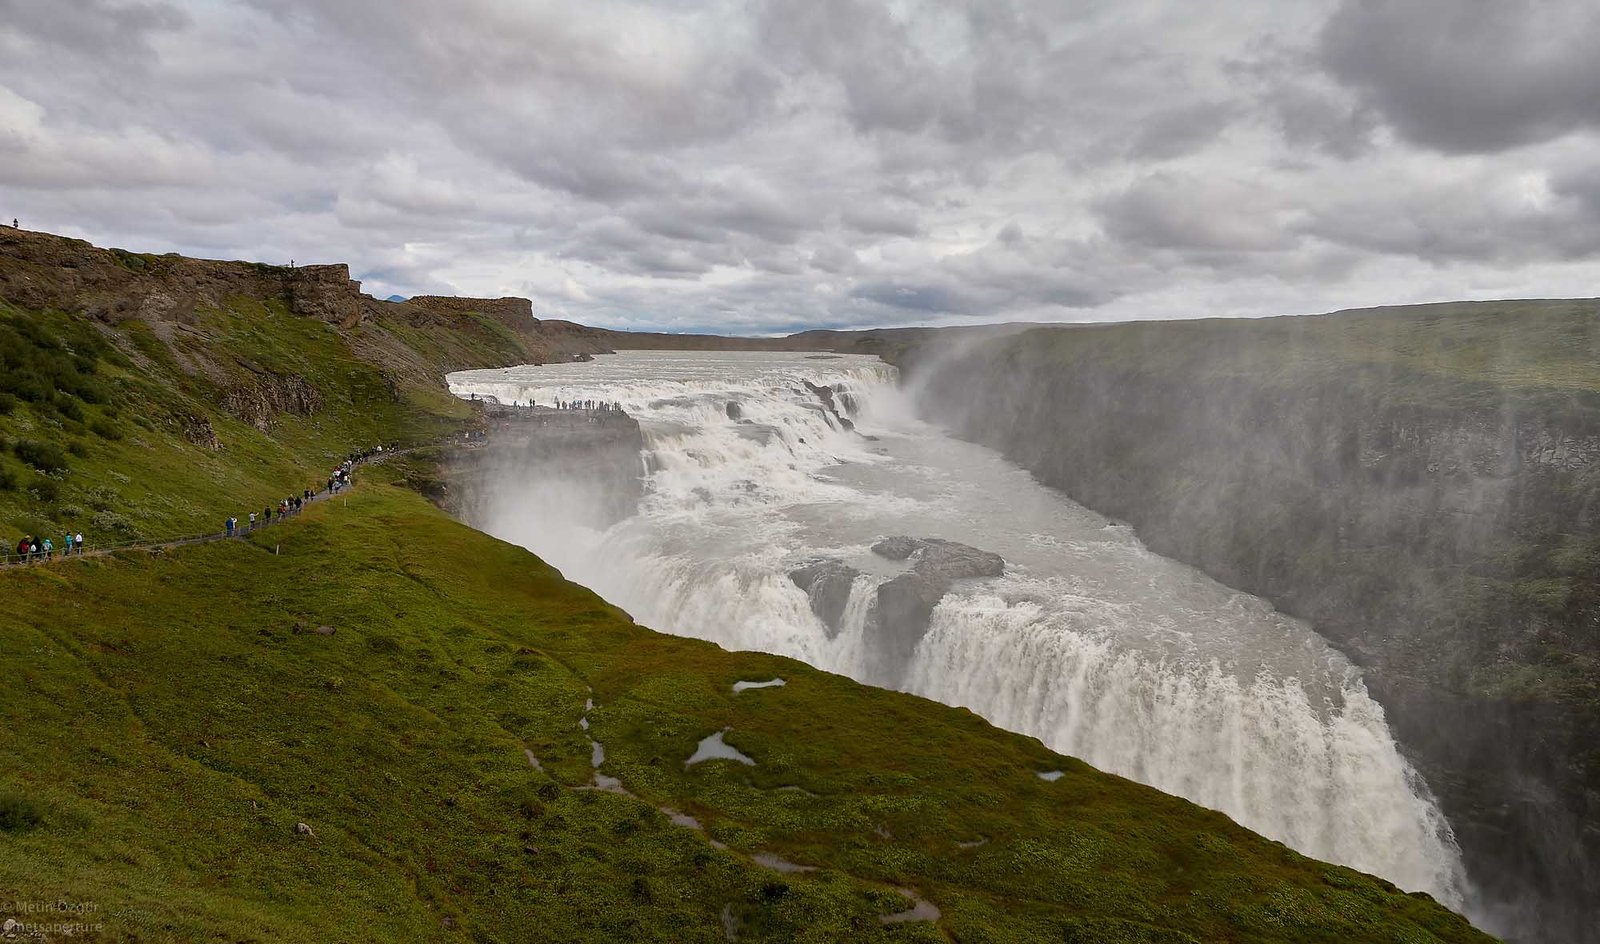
(1422, 484)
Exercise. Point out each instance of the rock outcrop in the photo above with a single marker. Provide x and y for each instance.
(828, 584)
(829, 403)
(268, 394)
(324, 292)
(905, 603)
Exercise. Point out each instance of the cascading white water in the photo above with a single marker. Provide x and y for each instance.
(1137, 664)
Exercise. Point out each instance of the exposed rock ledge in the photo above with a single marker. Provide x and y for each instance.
(904, 604)
(827, 583)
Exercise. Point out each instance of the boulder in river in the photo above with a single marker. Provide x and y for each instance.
(830, 405)
(905, 603)
(897, 548)
(827, 583)
(939, 559)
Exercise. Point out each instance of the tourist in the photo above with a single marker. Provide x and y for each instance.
(78, 542)
(227, 527)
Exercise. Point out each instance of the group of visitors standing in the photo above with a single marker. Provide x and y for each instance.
(284, 509)
(598, 406)
(338, 480)
(31, 548)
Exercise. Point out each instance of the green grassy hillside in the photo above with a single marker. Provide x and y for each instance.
(166, 727)
(103, 430)
(146, 396)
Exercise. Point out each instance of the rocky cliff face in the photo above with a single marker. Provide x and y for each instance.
(1424, 488)
(267, 394)
(515, 315)
(43, 271)
(587, 461)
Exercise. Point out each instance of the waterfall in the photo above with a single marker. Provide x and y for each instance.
(1138, 665)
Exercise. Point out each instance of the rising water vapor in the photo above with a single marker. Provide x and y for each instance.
(1137, 664)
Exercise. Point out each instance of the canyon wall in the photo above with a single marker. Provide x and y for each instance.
(1422, 484)
(587, 463)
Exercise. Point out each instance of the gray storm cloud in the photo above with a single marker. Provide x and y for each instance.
(759, 166)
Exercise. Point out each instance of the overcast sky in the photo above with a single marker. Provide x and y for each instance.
(768, 165)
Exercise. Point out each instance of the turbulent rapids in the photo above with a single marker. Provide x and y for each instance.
(1137, 664)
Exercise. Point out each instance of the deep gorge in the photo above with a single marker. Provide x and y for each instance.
(1407, 481)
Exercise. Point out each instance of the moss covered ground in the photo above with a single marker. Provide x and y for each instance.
(166, 727)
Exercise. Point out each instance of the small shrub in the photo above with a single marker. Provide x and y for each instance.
(19, 814)
(45, 490)
(9, 480)
(772, 892)
(110, 522)
(8, 402)
(46, 457)
(640, 892)
(105, 429)
(68, 408)
(90, 390)
(130, 260)
(78, 448)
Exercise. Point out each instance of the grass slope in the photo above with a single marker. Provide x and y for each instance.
(165, 728)
(136, 430)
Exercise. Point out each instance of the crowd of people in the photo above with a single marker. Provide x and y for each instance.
(596, 406)
(338, 481)
(592, 406)
(33, 549)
